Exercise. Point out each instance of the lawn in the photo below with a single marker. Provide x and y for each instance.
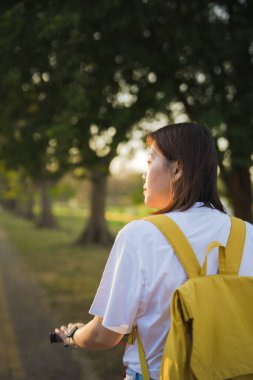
(69, 274)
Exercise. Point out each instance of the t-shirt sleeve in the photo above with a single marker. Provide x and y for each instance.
(119, 293)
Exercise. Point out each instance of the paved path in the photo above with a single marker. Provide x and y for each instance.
(25, 321)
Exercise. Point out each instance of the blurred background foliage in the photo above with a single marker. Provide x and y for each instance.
(79, 77)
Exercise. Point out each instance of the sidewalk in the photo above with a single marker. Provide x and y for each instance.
(25, 320)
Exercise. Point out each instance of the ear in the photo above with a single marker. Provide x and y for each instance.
(177, 171)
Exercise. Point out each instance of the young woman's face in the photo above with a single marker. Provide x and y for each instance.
(158, 180)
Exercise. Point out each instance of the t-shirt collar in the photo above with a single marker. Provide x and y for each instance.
(197, 204)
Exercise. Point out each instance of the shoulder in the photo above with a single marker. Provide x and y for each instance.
(137, 228)
(140, 234)
(133, 241)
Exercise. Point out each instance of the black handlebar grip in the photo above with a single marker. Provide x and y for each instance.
(55, 338)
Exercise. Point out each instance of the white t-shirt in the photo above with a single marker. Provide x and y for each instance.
(142, 272)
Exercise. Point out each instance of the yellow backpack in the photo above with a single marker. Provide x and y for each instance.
(211, 332)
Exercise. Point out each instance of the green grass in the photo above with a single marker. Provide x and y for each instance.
(69, 274)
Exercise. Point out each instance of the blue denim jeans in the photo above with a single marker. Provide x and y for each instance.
(132, 375)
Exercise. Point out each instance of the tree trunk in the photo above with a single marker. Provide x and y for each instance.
(239, 189)
(96, 231)
(46, 218)
(25, 201)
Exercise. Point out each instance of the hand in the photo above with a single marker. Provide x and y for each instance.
(63, 333)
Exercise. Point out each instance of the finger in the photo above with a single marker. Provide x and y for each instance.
(61, 334)
(63, 328)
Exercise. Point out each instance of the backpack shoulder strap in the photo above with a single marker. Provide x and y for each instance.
(235, 246)
(179, 243)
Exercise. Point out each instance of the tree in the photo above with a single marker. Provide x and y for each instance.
(71, 81)
(30, 124)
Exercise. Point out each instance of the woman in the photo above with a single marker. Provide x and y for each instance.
(142, 271)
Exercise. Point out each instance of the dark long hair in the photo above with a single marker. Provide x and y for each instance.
(192, 145)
